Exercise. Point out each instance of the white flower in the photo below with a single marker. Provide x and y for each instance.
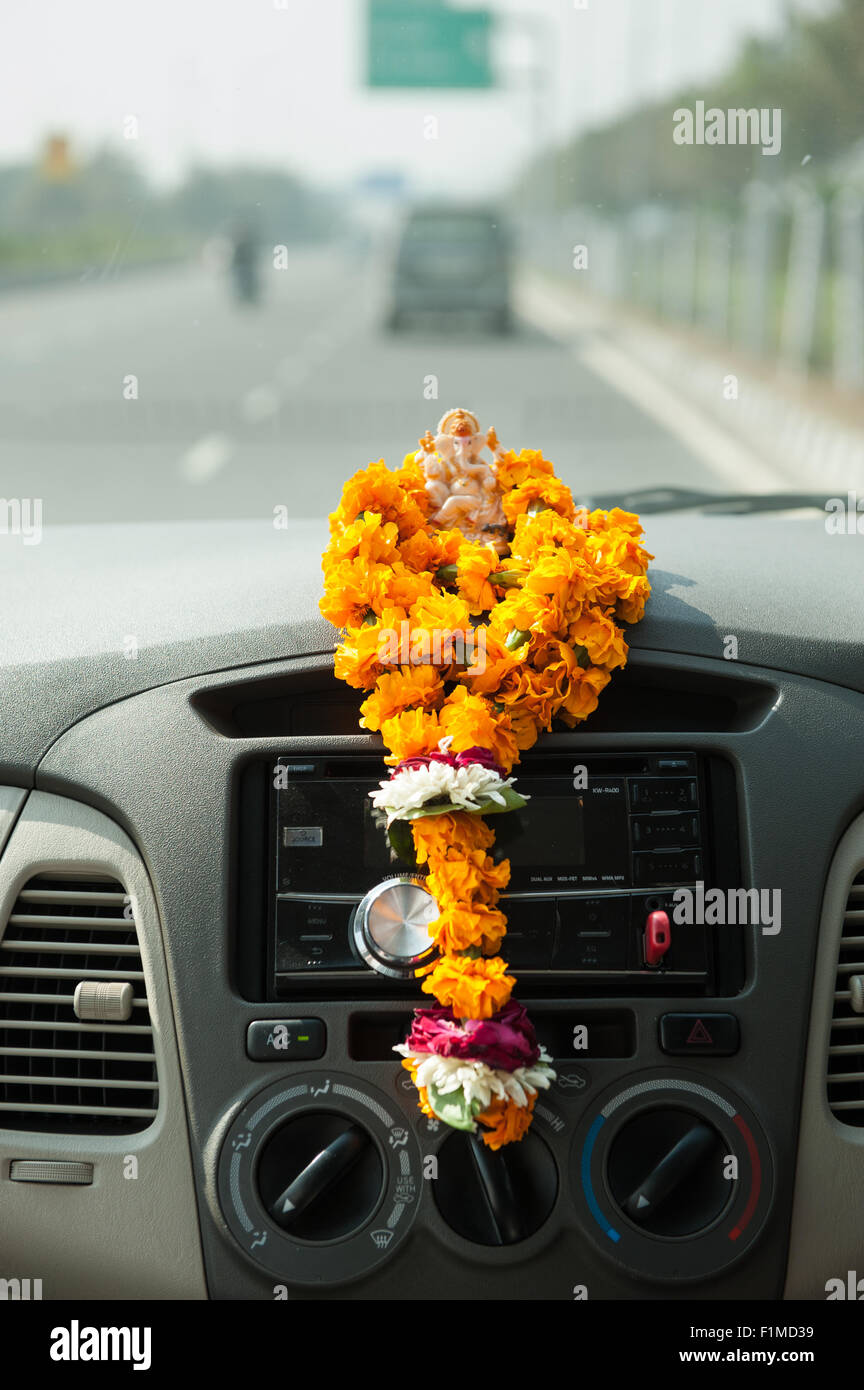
(476, 1080)
(464, 788)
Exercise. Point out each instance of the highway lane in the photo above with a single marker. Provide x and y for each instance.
(154, 396)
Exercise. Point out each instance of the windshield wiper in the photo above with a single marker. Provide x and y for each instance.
(650, 500)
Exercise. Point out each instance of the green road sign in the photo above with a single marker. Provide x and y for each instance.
(419, 43)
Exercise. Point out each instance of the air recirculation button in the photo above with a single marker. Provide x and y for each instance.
(320, 1176)
(495, 1197)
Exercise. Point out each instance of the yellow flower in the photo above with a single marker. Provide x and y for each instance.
(601, 638)
(536, 534)
(525, 611)
(583, 695)
(458, 831)
(401, 689)
(492, 663)
(472, 988)
(369, 538)
(376, 489)
(358, 657)
(473, 567)
(515, 469)
(550, 492)
(459, 928)
(474, 878)
(506, 1122)
(431, 550)
(472, 723)
(411, 734)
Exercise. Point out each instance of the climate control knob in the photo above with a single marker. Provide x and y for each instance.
(391, 927)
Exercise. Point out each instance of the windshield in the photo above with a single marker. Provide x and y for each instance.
(636, 236)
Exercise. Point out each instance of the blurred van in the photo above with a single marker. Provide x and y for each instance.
(452, 261)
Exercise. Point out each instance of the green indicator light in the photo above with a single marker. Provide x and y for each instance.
(303, 1037)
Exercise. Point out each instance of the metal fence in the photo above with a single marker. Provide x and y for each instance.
(782, 275)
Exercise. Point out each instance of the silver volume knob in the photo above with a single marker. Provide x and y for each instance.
(391, 927)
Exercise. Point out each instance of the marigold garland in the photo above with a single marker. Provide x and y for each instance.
(548, 588)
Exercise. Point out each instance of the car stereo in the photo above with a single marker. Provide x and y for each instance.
(594, 867)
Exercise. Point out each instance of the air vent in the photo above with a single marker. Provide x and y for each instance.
(58, 1073)
(846, 1048)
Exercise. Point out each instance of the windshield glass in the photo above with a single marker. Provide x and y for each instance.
(636, 237)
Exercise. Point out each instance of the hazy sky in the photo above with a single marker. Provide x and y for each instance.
(281, 81)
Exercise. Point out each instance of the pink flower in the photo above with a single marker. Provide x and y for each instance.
(504, 1042)
(483, 756)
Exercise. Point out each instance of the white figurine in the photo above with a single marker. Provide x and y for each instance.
(462, 485)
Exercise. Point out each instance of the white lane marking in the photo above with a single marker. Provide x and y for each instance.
(205, 458)
(259, 403)
(731, 460)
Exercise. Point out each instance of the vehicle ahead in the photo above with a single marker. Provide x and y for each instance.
(452, 260)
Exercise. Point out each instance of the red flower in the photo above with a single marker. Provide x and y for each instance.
(504, 1042)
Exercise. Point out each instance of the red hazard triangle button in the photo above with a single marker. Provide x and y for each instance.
(683, 1035)
(699, 1035)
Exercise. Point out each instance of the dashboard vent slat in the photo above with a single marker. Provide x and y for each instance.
(57, 1072)
(845, 1074)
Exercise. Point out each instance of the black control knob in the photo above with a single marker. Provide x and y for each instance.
(320, 1176)
(495, 1197)
(667, 1171)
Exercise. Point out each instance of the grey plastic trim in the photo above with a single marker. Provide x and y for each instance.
(11, 801)
(827, 1230)
(123, 1237)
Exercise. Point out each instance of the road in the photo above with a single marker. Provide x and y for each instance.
(153, 396)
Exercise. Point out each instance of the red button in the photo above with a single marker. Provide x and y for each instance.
(658, 937)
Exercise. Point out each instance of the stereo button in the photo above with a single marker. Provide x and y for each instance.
(530, 937)
(663, 793)
(592, 934)
(313, 935)
(667, 866)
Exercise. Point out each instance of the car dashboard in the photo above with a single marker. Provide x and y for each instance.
(188, 1019)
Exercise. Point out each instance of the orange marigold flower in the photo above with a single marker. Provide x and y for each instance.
(444, 612)
(472, 988)
(491, 664)
(468, 879)
(401, 689)
(615, 520)
(601, 638)
(513, 469)
(525, 727)
(506, 1122)
(434, 836)
(525, 611)
(430, 550)
(531, 690)
(376, 489)
(358, 657)
(551, 492)
(459, 928)
(411, 734)
(472, 723)
(369, 538)
(473, 567)
(545, 531)
(583, 695)
(631, 605)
